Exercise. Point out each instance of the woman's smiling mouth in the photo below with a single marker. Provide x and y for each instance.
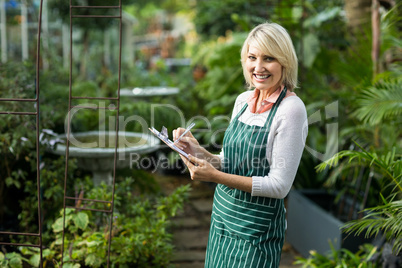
(260, 77)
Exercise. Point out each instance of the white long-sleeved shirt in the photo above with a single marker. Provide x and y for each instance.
(285, 144)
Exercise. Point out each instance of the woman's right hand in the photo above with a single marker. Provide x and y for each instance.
(188, 143)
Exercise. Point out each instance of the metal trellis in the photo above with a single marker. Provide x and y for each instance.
(70, 107)
(35, 101)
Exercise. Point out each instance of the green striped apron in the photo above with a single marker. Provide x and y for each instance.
(246, 231)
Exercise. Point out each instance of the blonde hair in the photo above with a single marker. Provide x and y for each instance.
(272, 40)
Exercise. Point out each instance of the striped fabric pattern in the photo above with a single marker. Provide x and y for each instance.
(246, 231)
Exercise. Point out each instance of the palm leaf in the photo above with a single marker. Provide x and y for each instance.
(380, 102)
(389, 164)
(386, 218)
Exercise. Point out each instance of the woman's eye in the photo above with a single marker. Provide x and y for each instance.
(269, 59)
(251, 57)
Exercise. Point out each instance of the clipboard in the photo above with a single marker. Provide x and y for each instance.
(163, 136)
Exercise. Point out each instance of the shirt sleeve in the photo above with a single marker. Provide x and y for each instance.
(285, 146)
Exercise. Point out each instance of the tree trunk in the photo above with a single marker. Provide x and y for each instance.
(358, 14)
(375, 26)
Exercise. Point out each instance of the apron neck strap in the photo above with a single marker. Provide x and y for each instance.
(278, 101)
(275, 108)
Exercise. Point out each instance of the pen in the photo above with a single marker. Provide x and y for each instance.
(185, 131)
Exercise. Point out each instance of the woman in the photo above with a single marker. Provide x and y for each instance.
(262, 148)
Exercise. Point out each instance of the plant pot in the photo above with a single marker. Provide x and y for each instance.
(311, 225)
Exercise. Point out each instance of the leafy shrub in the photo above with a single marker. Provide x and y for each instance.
(140, 233)
(12, 259)
(342, 258)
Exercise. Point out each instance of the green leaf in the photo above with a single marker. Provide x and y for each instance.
(58, 241)
(90, 260)
(35, 260)
(16, 263)
(46, 253)
(321, 17)
(81, 220)
(10, 181)
(93, 244)
(385, 218)
(311, 46)
(58, 225)
(68, 211)
(71, 265)
(380, 102)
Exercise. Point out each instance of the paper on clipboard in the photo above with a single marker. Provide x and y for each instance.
(163, 136)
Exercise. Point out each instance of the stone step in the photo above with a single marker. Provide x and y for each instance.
(189, 265)
(203, 205)
(189, 256)
(186, 223)
(190, 239)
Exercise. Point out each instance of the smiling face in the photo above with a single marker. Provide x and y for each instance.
(264, 70)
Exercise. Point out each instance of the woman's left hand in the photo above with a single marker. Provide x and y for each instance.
(200, 170)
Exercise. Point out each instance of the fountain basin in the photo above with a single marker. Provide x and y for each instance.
(149, 91)
(95, 157)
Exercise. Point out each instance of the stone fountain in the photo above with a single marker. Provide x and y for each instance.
(95, 151)
(143, 92)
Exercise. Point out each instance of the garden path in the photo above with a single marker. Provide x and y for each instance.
(191, 225)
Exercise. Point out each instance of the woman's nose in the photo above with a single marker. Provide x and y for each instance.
(259, 66)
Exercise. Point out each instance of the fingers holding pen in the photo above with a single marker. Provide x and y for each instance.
(177, 132)
(176, 135)
(185, 141)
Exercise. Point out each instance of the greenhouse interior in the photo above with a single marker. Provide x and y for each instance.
(97, 169)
